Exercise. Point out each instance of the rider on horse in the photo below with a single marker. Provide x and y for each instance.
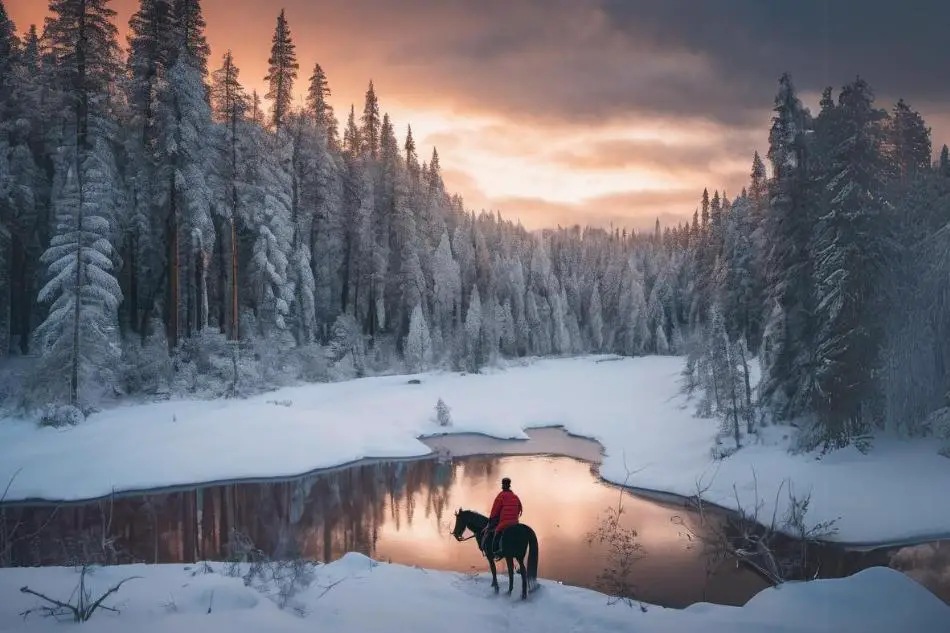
(504, 512)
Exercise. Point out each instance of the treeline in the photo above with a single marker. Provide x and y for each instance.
(161, 227)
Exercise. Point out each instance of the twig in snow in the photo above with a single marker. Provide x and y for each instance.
(327, 589)
(84, 606)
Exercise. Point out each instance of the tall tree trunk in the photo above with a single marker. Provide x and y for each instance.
(77, 309)
(221, 286)
(21, 299)
(200, 294)
(174, 299)
(235, 317)
(6, 293)
(235, 328)
(133, 282)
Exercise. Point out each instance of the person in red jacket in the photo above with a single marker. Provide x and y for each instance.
(504, 512)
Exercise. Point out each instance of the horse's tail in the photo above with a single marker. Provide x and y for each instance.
(532, 554)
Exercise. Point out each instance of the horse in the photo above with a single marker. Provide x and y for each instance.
(516, 540)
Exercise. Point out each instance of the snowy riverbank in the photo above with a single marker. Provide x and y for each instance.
(356, 594)
(632, 406)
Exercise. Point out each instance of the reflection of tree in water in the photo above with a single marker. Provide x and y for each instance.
(321, 516)
(482, 469)
(438, 490)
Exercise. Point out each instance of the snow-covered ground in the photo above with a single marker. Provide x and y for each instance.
(632, 406)
(355, 594)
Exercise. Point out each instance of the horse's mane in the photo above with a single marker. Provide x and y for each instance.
(476, 514)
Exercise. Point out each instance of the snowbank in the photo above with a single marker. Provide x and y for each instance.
(632, 406)
(357, 594)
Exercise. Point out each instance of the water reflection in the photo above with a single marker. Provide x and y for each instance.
(399, 511)
(928, 564)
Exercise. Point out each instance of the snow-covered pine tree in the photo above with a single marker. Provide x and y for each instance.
(736, 290)
(370, 124)
(79, 333)
(306, 143)
(152, 51)
(281, 73)
(25, 140)
(418, 344)
(190, 29)
(788, 377)
(229, 104)
(79, 338)
(474, 356)
(320, 109)
(852, 248)
(270, 285)
(447, 288)
(909, 144)
(192, 161)
(595, 320)
(412, 158)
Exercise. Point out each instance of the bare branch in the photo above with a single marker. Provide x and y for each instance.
(6, 490)
(778, 552)
(78, 605)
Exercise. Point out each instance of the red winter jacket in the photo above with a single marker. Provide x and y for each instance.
(507, 508)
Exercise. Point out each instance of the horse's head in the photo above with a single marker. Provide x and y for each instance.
(460, 523)
(468, 520)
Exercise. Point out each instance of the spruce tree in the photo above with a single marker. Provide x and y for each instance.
(909, 144)
(320, 108)
(190, 26)
(371, 124)
(851, 251)
(351, 135)
(282, 72)
(78, 336)
(789, 332)
(412, 158)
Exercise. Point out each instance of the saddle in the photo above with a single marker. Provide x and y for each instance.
(485, 543)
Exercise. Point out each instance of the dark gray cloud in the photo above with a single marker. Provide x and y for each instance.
(719, 60)
(900, 47)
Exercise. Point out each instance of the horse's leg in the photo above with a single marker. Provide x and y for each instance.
(511, 573)
(494, 575)
(524, 578)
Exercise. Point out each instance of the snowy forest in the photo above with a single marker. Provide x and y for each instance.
(162, 230)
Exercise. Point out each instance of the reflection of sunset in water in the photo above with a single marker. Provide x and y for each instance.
(563, 502)
(401, 512)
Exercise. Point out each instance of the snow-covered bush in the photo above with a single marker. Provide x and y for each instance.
(938, 424)
(146, 367)
(347, 349)
(443, 414)
(204, 364)
(310, 363)
(280, 579)
(383, 358)
(418, 349)
(61, 415)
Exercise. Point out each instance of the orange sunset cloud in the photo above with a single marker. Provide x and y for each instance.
(558, 112)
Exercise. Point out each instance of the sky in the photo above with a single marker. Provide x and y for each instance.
(588, 111)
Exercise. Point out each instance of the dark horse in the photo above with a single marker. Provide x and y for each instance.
(516, 540)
